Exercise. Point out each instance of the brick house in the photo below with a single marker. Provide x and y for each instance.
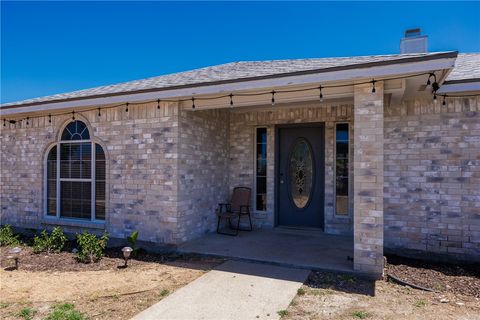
(351, 146)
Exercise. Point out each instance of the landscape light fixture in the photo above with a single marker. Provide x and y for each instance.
(15, 254)
(126, 254)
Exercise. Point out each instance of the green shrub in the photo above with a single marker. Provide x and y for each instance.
(7, 237)
(65, 311)
(132, 240)
(90, 247)
(53, 242)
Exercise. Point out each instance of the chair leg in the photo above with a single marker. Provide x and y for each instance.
(238, 223)
(250, 221)
(225, 233)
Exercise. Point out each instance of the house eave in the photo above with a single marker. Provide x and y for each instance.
(354, 73)
(460, 86)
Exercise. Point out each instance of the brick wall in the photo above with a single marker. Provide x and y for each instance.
(432, 177)
(141, 148)
(368, 180)
(202, 170)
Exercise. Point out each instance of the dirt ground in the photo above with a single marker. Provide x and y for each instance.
(331, 296)
(101, 290)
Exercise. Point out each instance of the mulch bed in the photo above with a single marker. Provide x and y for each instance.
(439, 277)
(66, 260)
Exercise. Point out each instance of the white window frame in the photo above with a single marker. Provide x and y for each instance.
(335, 170)
(255, 171)
(59, 179)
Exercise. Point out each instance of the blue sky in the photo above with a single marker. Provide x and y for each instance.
(54, 47)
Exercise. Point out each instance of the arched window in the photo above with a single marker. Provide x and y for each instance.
(75, 176)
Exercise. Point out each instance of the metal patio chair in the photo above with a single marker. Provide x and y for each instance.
(238, 206)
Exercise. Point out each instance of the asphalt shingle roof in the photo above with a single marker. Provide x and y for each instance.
(467, 67)
(242, 70)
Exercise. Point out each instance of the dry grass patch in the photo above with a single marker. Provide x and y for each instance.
(97, 291)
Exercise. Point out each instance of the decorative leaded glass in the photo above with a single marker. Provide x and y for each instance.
(301, 172)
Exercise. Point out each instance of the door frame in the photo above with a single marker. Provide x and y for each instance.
(276, 179)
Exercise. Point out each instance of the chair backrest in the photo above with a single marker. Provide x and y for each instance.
(240, 197)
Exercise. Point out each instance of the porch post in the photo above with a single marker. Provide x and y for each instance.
(368, 179)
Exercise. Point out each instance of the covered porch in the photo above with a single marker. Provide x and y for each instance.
(308, 249)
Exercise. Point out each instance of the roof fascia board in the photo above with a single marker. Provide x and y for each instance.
(459, 87)
(357, 74)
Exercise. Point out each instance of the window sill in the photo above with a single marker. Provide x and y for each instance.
(73, 223)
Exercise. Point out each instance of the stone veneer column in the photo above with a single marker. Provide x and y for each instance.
(368, 179)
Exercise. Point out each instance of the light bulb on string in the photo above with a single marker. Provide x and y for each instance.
(273, 97)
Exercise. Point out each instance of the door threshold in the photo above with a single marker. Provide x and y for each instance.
(298, 228)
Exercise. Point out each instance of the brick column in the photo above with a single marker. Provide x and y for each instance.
(368, 179)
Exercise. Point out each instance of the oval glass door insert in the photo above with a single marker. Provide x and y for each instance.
(301, 172)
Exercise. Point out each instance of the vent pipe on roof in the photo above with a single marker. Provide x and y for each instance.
(414, 42)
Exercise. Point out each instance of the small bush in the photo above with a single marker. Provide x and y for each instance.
(53, 242)
(90, 247)
(65, 311)
(132, 240)
(27, 313)
(7, 237)
(301, 291)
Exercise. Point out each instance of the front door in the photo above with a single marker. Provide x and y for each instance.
(300, 176)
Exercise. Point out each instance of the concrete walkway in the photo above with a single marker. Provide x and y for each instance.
(233, 290)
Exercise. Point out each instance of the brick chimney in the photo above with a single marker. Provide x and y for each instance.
(414, 42)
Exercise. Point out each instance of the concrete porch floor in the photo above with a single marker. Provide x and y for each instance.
(308, 249)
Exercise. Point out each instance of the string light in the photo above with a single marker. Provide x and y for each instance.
(158, 104)
(99, 114)
(4, 122)
(49, 118)
(28, 121)
(434, 98)
(444, 100)
(431, 76)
